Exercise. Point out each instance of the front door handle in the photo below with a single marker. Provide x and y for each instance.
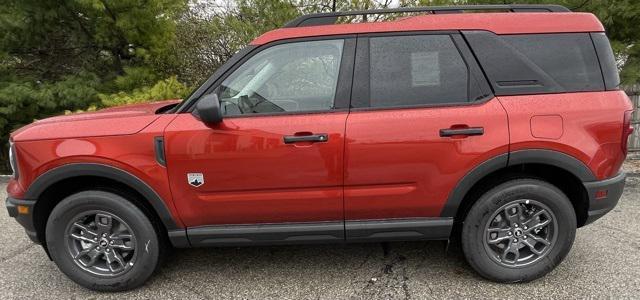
(313, 138)
(465, 131)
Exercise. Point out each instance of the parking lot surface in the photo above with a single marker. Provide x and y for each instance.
(604, 262)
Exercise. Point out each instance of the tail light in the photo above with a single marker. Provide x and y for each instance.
(627, 130)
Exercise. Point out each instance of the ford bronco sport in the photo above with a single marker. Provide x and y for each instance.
(504, 128)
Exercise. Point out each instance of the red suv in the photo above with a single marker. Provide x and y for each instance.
(506, 129)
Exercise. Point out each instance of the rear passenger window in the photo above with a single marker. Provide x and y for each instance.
(416, 70)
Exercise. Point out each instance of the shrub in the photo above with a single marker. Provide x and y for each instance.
(169, 88)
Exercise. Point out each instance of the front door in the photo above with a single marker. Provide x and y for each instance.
(277, 157)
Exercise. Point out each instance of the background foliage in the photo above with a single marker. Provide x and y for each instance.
(68, 55)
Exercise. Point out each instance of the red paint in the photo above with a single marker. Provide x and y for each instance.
(592, 124)
(499, 23)
(133, 153)
(397, 165)
(388, 163)
(122, 120)
(250, 175)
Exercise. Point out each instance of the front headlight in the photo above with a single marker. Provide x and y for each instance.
(13, 160)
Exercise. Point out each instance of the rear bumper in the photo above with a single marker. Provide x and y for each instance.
(24, 219)
(600, 202)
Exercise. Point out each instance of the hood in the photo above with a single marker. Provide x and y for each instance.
(120, 120)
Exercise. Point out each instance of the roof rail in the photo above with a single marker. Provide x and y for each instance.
(331, 18)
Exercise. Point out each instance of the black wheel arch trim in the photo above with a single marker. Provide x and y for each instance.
(44, 181)
(469, 180)
(554, 158)
(529, 156)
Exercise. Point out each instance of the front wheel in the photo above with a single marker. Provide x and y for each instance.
(102, 241)
(519, 231)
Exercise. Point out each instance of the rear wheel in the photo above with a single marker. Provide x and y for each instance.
(518, 231)
(102, 241)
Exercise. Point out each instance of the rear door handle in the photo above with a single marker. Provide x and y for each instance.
(313, 138)
(462, 131)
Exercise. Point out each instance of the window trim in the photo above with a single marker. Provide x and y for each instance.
(361, 89)
(602, 46)
(342, 97)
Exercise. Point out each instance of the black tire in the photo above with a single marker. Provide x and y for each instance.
(133, 267)
(495, 216)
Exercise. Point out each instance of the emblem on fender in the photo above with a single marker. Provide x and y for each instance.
(195, 179)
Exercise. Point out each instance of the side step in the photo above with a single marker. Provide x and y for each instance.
(398, 229)
(321, 232)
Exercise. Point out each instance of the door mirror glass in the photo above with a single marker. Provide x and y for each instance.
(208, 109)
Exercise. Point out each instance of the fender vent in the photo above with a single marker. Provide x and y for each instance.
(159, 148)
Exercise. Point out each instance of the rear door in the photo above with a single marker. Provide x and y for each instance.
(277, 157)
(422, 117)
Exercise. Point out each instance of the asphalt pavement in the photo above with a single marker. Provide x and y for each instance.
(604, 263)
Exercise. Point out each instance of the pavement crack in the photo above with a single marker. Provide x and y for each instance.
(390, 281)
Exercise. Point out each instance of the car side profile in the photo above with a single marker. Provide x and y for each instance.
(503, 128)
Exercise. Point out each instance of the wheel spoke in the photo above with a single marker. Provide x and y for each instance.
(93, 258)
(120, 236)
(118, 258)
(112, 257)
(537, 226)
(532, 247)
(538, 239)
(83, 252)
(534, 222)
(120, 244)
(83, 238)
(85, 229)
(104, 223)
(497, 235)
(512, 213)
(511, 248)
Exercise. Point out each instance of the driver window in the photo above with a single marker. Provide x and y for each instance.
(300, 76)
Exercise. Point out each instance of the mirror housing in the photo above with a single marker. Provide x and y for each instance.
(208, 109)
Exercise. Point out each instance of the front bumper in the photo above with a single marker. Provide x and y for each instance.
(24, 215)
(603, 196)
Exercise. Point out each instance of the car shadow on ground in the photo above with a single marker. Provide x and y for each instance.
(379, 270)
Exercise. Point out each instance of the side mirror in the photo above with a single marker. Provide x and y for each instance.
(208, 109)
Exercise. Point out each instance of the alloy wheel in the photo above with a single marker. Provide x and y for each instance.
(101, 243)
(520, 233)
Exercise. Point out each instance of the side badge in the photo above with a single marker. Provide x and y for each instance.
(195, 179)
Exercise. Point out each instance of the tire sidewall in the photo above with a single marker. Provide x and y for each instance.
(146, 247)
(490, 202)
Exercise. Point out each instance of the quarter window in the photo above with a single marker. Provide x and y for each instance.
(526, 64)
(416, 70)
(569, 59)
(292, 77)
